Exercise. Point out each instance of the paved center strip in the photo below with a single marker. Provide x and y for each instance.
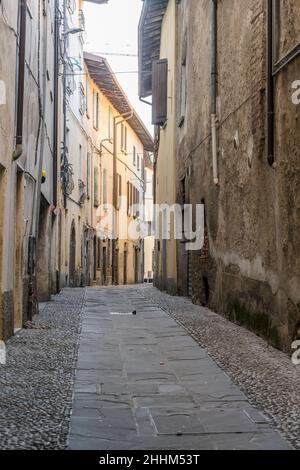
(143, 383)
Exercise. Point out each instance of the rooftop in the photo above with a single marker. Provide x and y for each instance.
(106, 80)
(149, 42)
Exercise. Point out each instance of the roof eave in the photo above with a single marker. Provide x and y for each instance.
(98, 67)
(149, 39)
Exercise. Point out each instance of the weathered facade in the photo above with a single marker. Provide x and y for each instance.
(149, 240)
(157, 31)
(29, 36)
(119, 143)
(237, 152)
(57, 138)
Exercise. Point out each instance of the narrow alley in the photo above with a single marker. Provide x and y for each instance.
(150, 230)
(138, 380)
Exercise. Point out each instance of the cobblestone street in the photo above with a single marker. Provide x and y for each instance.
(141, 381)
(37, 381)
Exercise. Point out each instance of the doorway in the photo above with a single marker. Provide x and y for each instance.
(136, 266)
(43, 266)
(125, 266)
(95, 258)
(18, 278)
(104, 266)
(72, 260)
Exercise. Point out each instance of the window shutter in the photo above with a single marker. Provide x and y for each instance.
(159, 91)
(105, 187)
(96, 187)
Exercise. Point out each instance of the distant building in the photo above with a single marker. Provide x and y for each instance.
(149, 240)
(122, 142)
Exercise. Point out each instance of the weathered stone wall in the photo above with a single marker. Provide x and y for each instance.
(6, 314)
(251, 269)
(8, 24)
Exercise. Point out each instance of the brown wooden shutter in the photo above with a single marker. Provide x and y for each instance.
(159, 91)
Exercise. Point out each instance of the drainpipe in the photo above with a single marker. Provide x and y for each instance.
(65, 25)
(270, 85)
(21, 80)
(125, 117)
(214, 90)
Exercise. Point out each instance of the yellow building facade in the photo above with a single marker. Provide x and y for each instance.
(117, 176)
(157, 45)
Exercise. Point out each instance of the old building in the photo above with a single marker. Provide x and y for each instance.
(29, 141)
(78, 245)
(149, 240)
(157, 40)
(119, 141)
(237, 153)
(8, 24)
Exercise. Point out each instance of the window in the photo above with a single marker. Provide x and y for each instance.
(183, 81)
(125, 141)
(99, 254)
(88, 171)
(130, 198)
(134, 156)
(128, 202)
(87, 92)
(71, 4)
(159, 92)
(105, 201)
(119, 190)
(138, 162)
(143, 169)
(110, 124)
(71, 83)
(80, 161)
(182, 93)
(96, 109)
(82, 100)
(96, 187)
(123, 138)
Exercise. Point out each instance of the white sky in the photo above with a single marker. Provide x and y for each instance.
(113, 28)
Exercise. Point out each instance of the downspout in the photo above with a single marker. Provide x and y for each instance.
(65, 25)
(214, 91)
(21, 80)
(55, 132)
(125, 117)
(270, 85)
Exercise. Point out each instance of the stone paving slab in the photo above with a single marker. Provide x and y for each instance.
(143, 383)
